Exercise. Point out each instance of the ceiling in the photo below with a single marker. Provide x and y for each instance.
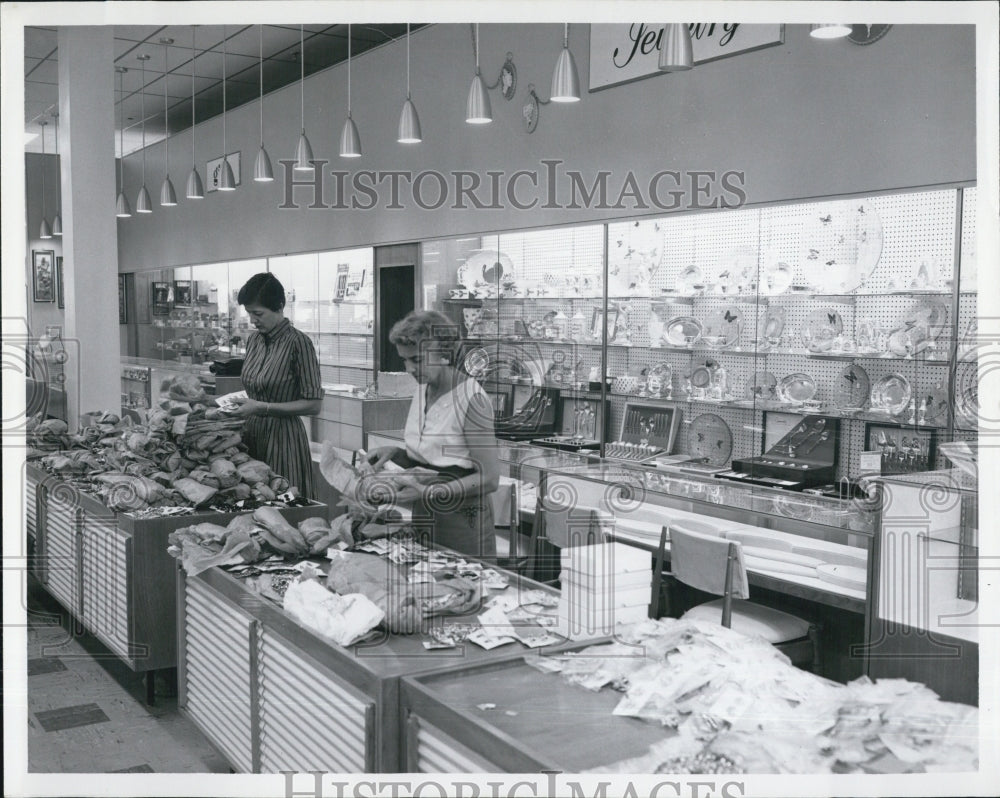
(325, 45)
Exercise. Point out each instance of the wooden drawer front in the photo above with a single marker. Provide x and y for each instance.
(105, 583)
(309, 719)
(217, 672)
(438, 752)
(59, 557)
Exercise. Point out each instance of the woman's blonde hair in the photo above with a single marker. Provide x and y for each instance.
(423, 325)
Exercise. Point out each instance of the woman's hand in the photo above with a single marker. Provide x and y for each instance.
(250, 407)
(379, 456)
(378, 490)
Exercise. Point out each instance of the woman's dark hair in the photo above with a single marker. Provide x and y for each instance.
(262, 289)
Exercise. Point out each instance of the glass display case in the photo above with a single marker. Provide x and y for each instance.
(190, 314)
(787, 340)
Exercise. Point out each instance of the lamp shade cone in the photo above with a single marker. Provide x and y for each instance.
(227, 180)
(262, 167)
(675, 49)
(122, 209)
(477, 107)
(143, 204)
(565, 81)
(409, 124)
(829, 31)
(57, 225)
(45, 231)
(195, 189)
(168, 197)
(350, 141)
(304, 155)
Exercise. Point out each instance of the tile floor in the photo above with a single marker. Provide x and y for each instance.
(87, 710)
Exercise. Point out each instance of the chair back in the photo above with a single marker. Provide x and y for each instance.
(712, 564)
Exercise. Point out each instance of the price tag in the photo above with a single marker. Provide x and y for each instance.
(871, 462)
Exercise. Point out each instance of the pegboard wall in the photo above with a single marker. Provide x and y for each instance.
(905, 243)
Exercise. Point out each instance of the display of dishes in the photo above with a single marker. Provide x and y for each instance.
(682, 331)
(929, 316)
(722, 329)
(709, 437)
(891, 394)
(774, 325)
(736, 270)
(852, 388)
(841, 245)
(967, 393)
(796, 388)
(933, 404)
(763, 385)
(820, 330)
(485, 267)
(690, 281)
(476, 362)
(776, 278)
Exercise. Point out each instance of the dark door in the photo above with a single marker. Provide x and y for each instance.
(395, 299)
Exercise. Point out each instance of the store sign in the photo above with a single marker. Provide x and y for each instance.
(622, 53)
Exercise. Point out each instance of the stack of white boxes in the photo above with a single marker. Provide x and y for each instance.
(603, 585)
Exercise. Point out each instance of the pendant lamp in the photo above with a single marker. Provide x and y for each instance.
(57, 221)
(829, 31)
(227, 180)
(168, 197)
(350, 141)
(44, 230)
(565, 81)
(409, 122)
(195, 189)
(262, 167)
(477, 106)
(675, 48)
(143, 204)
(122, 208)
(304, 152)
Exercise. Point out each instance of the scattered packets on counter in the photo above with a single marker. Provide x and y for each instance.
(493, 580)
(483, 639)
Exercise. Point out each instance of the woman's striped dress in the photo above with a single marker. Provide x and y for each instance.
(281, 366)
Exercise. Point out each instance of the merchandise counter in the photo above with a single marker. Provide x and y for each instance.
(111, 570)
(273, 695)
(536, 723)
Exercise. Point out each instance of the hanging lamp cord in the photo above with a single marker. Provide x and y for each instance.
(142, 95)
(261, 44)
(348, 71)
(475, 50)
(194, 56)
(302, 80)
(223, 91)
(407, 60)
(166, 116)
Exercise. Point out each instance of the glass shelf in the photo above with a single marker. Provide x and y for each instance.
(366, 366)
(331, 332)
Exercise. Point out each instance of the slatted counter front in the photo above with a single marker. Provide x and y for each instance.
(111, 571)
(273, 695)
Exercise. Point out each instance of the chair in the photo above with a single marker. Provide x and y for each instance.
(715, 565)
(514, 561)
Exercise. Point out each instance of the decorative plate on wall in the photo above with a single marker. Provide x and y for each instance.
(841, 245)
(777, 278)
(710, 437)
(796, 388)
(682, 331)
(891, 394)
(820, 329)
(852, 389)
(722, 330)
(476, 362)
(762, 385)
(485, 267)
(690, 281)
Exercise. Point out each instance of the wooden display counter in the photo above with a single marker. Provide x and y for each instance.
(111, 571)
(273, 695)
(536, 722)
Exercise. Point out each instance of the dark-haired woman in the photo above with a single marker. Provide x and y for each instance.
(449, 428)
(282, 380)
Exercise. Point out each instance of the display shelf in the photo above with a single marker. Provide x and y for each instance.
(362, 366)
(337, 333)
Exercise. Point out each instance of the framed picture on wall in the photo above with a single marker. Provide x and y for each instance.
(182, 293)
(43, 275)
(122, 300)
(903, 449)
(161, 299)
(61, 302)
